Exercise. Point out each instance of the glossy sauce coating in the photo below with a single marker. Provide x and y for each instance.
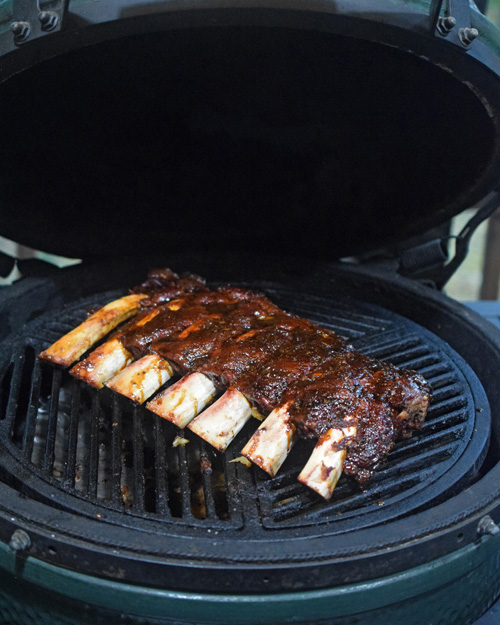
(240, 339)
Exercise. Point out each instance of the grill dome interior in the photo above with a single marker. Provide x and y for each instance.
(317, 143)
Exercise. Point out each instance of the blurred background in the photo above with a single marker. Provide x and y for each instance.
(493, 11)
(478, 278)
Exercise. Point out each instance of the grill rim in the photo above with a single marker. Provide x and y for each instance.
(464, 459)
(418, 538)
(412, 584)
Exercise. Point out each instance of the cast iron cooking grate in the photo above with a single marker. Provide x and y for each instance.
(89, 450)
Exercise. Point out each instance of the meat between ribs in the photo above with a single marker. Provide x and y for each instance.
(312, 381)
(243, 341)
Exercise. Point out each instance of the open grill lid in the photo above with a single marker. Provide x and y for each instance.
(321, 128)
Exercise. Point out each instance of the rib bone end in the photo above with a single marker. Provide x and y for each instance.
(182, 401)
(324, 467)
(271, 443)
(142, 378)
(71, 346)
(102, 364)
(221, 422)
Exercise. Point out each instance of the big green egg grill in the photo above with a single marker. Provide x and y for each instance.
(260, 144)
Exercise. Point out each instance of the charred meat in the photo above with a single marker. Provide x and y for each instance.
(312, 381)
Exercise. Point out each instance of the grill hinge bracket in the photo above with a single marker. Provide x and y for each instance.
(37, 18)
(30, 267)
(429, 261)
(451, 20)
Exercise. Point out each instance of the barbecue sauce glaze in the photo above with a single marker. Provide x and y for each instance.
(242, 340)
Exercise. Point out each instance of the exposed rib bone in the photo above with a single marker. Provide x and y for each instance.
(182, 401)
(110, 358)
(102, 364)
(142, 378)
(271, 443)
(324, 467)
(71, 346)
(220, 422)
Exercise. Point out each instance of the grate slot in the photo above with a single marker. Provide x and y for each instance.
(446, 392)
(313, 508)
(444, 421)
(447, 406)
(292, 505)
(373, 496)
(418, 443)
(5, 389)
(434, 371)
(288, 492)
(219, 490)
(348, 331)
(150, 461)
(207, 473)
(116, 451)
(214, 483)
(173, 484)
(17, 419)
(327, 313)
(359, 326)
(417, 363)
(127, 454)
(69, 474)
(160, 465)
(184, 481)
(15, 388)
(138, 459)
(93, 449)
(411, 464)
(48, 458)
(442, 380)
(31, 415)
(415, 354)
(386, 350)
(37, 447)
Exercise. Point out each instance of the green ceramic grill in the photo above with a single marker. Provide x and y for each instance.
(199, 135)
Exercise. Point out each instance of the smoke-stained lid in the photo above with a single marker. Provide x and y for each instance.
(317, 128)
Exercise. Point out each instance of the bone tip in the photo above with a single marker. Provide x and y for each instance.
(56, 359)
(81, 374)
(155, 405)
(83, 371)
(320, 489)
(258, 460)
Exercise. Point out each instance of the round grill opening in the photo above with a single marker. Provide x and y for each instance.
(99, 456)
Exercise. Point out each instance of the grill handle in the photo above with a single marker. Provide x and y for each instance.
(427, 262)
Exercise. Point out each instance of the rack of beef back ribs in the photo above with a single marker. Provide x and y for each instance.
(313, 381)
(356, 323)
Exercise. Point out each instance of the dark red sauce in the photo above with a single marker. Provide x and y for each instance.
(241, 339)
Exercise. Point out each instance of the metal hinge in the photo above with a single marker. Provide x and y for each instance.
(429, 262)
(453, 22)
(29, 267)
(36, 18)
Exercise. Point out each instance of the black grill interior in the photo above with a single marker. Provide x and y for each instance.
(267, 124)
(96, 453)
